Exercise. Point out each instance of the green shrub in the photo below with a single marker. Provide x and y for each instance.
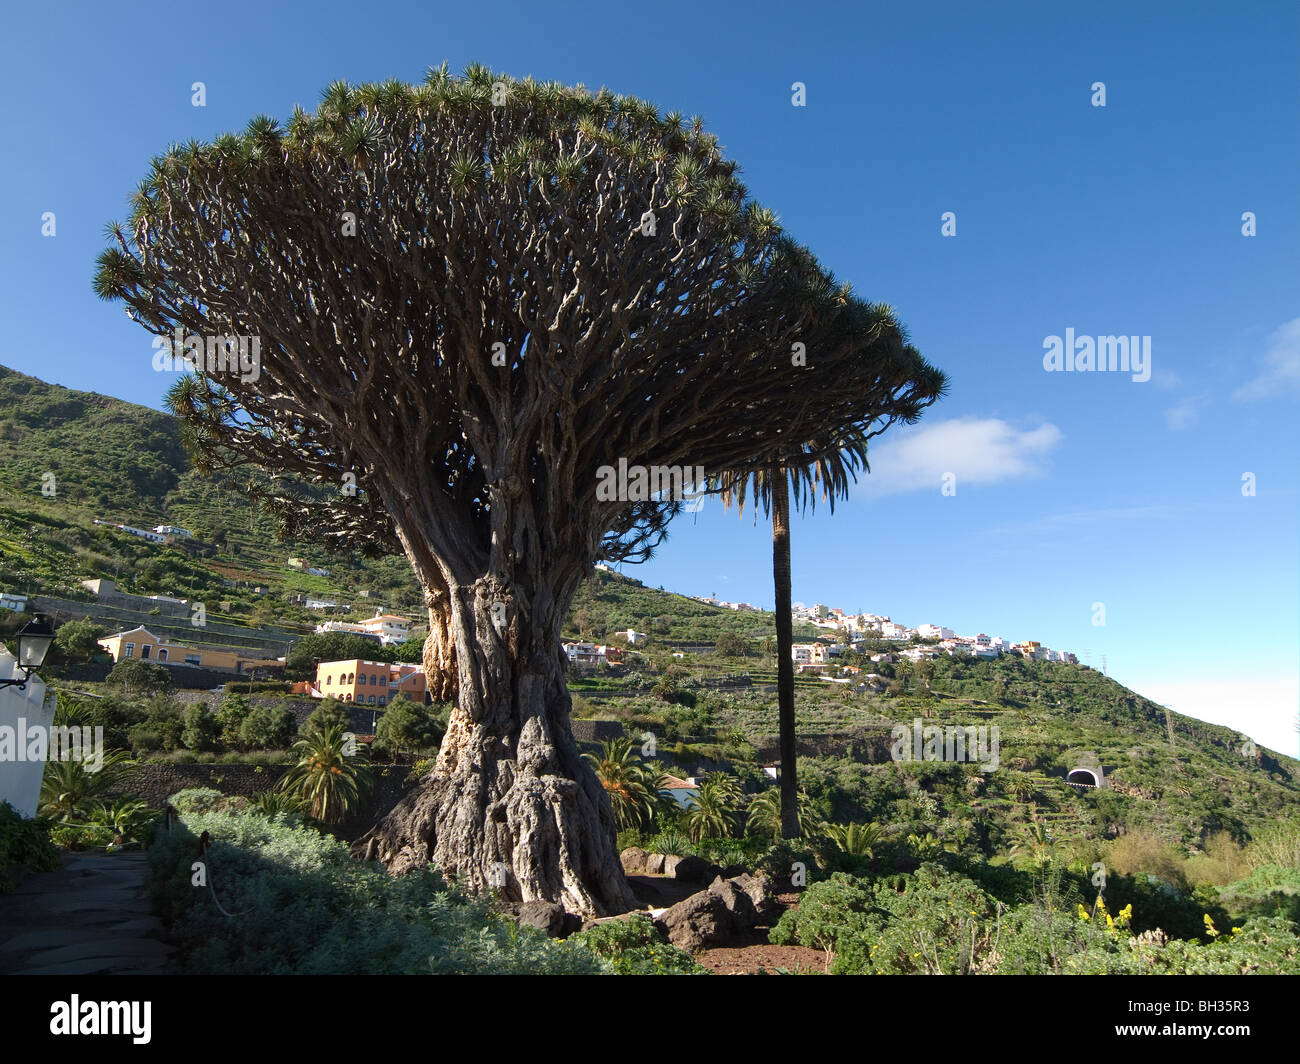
(231, 711)
(669, 844)
(1268, 891)
(635, 947)
(828, 913)
(276, 803)
(136, 677)
(407, 725)
(130, 819)
(266, 727)
(302, 905)
(931, 922)
(82, 837)
(197, 800)
(24, 845)
(331, 713)
(199, 727)
(1262, 947)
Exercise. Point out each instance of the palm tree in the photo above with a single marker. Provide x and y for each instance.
(1037, 842)
(632, 786)
(763, 814)
(807, 467)
(1021, 787)
(925, 847)
(328, 779)
(69, 792)
(855, 840)
(714, 814)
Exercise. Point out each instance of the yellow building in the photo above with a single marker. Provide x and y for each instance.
(372, 682)
(142, 644)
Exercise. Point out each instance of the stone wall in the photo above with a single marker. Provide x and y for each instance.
(596, 731)
(184, 677)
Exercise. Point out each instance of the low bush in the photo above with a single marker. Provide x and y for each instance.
(937, 921)
(1268, 891)
(635, 947)
(82, 836)
(300, 904)
(25, 847)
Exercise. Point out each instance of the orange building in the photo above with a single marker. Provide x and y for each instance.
(374, 683)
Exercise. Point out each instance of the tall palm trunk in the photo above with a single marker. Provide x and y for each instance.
(784, 658)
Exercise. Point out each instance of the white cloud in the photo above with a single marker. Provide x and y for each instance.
(1264, 709)
(975, 450)
(1281, 371)
(1166, 378)
(1185, 414)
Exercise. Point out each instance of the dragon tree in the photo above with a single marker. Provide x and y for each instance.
(460, 300)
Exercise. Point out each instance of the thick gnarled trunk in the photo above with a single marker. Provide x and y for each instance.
(510, 805)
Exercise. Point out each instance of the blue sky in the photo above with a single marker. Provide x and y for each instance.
(1071, 488)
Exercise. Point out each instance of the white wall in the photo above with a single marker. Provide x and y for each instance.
(20, 781)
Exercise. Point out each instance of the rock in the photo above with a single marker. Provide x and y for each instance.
(735, 900)
(698, 922)
(634, 859)
(693, 869)
(550, 916)
(671, 861)
(759, 889)
(713, 917)
(654, 864)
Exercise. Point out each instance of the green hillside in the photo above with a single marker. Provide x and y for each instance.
(120, 462)
(123, 463)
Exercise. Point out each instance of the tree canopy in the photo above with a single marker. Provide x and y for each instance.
(449, 307)
(382, 246)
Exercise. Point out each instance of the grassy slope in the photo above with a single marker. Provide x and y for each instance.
(116, 460)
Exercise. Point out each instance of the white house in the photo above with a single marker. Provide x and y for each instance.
(808, 654)
(635, 639)
(173, 530)
(143, 533)
(17, 603)
(934, 631)
(389, 627)
(584, 653)
(345, 626)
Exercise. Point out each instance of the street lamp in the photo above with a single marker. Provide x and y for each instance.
(33, 644)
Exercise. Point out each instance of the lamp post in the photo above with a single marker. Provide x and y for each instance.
(34, 641)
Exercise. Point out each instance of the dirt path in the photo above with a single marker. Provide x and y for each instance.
(89, 917)
(763, 957)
